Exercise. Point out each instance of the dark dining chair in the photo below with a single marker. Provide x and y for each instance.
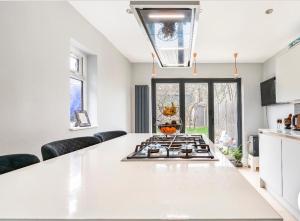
(16, 161)
(61, 147)
(108, 135)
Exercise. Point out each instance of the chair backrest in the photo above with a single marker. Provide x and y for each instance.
(16, 161)
(61, 147)
(108, 135)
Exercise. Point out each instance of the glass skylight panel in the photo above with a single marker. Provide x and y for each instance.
(170, 31)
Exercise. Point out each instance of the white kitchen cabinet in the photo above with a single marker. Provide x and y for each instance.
(291, 171)
(286, 154)
(270, 162)
(288, 75)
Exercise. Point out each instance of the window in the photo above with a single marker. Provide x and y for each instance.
(76, 94)
(210, 106)
(74, 63)
(77, 61)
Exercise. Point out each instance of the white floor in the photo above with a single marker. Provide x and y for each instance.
(253, 179)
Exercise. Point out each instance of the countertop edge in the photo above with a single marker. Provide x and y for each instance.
(295, 135)
(226, 219)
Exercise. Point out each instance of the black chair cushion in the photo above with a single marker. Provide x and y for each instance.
(108, 135)
(61, 147)
(16, 161)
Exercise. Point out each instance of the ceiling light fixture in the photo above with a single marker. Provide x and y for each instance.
(169, 24)
(153, 66)
(235, 72)
(269, 11)
(175, 65)
(194, 63)
(166, 16)
(170, 49)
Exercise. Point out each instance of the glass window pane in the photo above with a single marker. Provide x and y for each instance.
(76, 97)
(74, 64)
(225, 114)
(196, 108)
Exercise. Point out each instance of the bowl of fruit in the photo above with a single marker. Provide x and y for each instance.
(169, 111)
(169, 122)
(169, 128)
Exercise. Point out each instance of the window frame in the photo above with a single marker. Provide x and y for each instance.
(80, 75)
(210, 82)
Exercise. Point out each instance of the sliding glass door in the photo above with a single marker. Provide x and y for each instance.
(196, 108)
(206, 106)
(226, 113)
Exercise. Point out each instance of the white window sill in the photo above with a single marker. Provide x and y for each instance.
(82, 128)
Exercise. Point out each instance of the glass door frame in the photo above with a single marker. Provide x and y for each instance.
(210, 82)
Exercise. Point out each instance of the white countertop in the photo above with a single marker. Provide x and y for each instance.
(94, 183)
(288, 133)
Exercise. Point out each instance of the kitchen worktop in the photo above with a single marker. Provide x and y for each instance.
(94, 183)
(288, 133)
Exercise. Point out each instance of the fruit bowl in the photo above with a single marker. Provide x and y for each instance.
(169, 128)
(169, 111)
(169, 122)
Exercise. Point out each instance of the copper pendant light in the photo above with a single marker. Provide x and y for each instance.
(235, 72)
(194, 64)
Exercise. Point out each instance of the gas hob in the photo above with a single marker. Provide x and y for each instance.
(177, 147)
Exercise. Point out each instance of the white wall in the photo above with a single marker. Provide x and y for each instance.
(34, 78)
(277, 111)
(251, 75)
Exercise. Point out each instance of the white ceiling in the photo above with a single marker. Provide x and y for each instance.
(225, 27)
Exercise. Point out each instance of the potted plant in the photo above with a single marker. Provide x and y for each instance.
(233, 154)
(237, 155)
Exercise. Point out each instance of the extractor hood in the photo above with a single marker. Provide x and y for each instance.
(170, 27)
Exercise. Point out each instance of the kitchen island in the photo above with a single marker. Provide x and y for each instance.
(94, 184)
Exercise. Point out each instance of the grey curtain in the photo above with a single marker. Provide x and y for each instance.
(141, 109)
